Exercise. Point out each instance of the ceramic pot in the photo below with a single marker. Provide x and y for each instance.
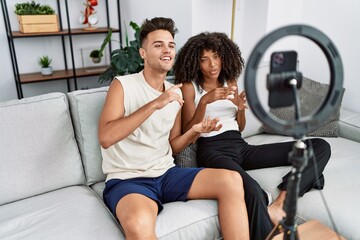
(46, 71)
(96, 59)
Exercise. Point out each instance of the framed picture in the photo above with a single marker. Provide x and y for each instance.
(91, 64)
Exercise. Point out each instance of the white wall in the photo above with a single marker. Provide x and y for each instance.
(254, 18)
(211, 15)
(338, 20)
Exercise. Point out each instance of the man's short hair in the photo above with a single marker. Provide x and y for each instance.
(157, 23)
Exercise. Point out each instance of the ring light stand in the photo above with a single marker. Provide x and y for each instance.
(301, 125)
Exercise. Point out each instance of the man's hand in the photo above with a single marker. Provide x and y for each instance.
(207, 125)
(168, 96)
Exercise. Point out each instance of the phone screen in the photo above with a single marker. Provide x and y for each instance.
(284, 61)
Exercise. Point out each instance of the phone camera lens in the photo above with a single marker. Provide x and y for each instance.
(278, 58)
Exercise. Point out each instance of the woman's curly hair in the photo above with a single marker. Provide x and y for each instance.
(187, 64)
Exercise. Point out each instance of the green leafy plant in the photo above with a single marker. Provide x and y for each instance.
(33, 9)
(126, 60)
(44, 61)
(98, 53)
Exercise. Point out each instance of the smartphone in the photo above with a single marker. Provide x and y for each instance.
(281, 62)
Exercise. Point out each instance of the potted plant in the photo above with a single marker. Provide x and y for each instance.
(97, 54)
(34, 18)
(44, 62)
(125, 60)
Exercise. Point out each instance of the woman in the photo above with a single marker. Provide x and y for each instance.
(209, 65)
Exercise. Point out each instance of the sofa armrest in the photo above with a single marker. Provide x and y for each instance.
(349, 125)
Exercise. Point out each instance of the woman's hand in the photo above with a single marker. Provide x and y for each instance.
(219, 93)
(207, 125)
(240, 100)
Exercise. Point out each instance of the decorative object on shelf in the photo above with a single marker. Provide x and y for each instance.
(97, 54)
(90, 62)
(126, 60)
(44, 62)
(89, 15)
(36, 18)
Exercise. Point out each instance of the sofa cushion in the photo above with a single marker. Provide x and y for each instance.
(341, 190)
(98, 188)
(349, 125)
(38, 151)
(194, 219)
(86, 107)
(69, 213)
(187, 157)
(311, 94)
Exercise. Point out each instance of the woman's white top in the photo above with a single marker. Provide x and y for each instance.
(223, 109)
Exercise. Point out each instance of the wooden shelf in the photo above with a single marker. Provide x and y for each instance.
(75, 31)
(78, 31)
(17, 34)
(61, 74)
(67, 37)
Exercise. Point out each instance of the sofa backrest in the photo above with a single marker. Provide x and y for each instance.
(38, 150)
(86, 107)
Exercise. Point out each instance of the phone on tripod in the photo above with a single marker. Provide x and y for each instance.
(280, 63)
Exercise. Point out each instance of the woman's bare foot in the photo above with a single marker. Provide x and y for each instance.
(276, 212)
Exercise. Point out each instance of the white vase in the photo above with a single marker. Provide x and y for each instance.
(46, 71)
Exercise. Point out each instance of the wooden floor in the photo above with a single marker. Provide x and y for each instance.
(313, 230)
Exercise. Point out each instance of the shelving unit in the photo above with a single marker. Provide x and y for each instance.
(70, 71)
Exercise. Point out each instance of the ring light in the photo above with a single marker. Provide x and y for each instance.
(307, 123)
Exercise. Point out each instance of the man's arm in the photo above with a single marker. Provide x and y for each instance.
(190, 113)
(114, 126)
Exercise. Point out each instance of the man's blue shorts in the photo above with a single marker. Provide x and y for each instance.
(172, 186)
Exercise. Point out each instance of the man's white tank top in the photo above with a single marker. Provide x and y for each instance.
(146, 152)
(225, 110)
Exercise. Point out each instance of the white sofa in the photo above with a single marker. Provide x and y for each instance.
(51, 180)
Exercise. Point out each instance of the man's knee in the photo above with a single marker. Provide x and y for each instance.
(138, 226)
(232, 182)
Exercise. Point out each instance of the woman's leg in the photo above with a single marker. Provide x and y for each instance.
(224, 186)
(276, 154)
(272, 155)
(260, 223)
(312, 175)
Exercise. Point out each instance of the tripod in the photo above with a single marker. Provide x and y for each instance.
(299, 157)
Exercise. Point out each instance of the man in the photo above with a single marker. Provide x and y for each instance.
(140, 130)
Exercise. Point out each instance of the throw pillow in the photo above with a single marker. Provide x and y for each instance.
(187, 157)
(311, 94)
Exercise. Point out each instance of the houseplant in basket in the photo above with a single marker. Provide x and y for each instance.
(44, 62)
(36, 18)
